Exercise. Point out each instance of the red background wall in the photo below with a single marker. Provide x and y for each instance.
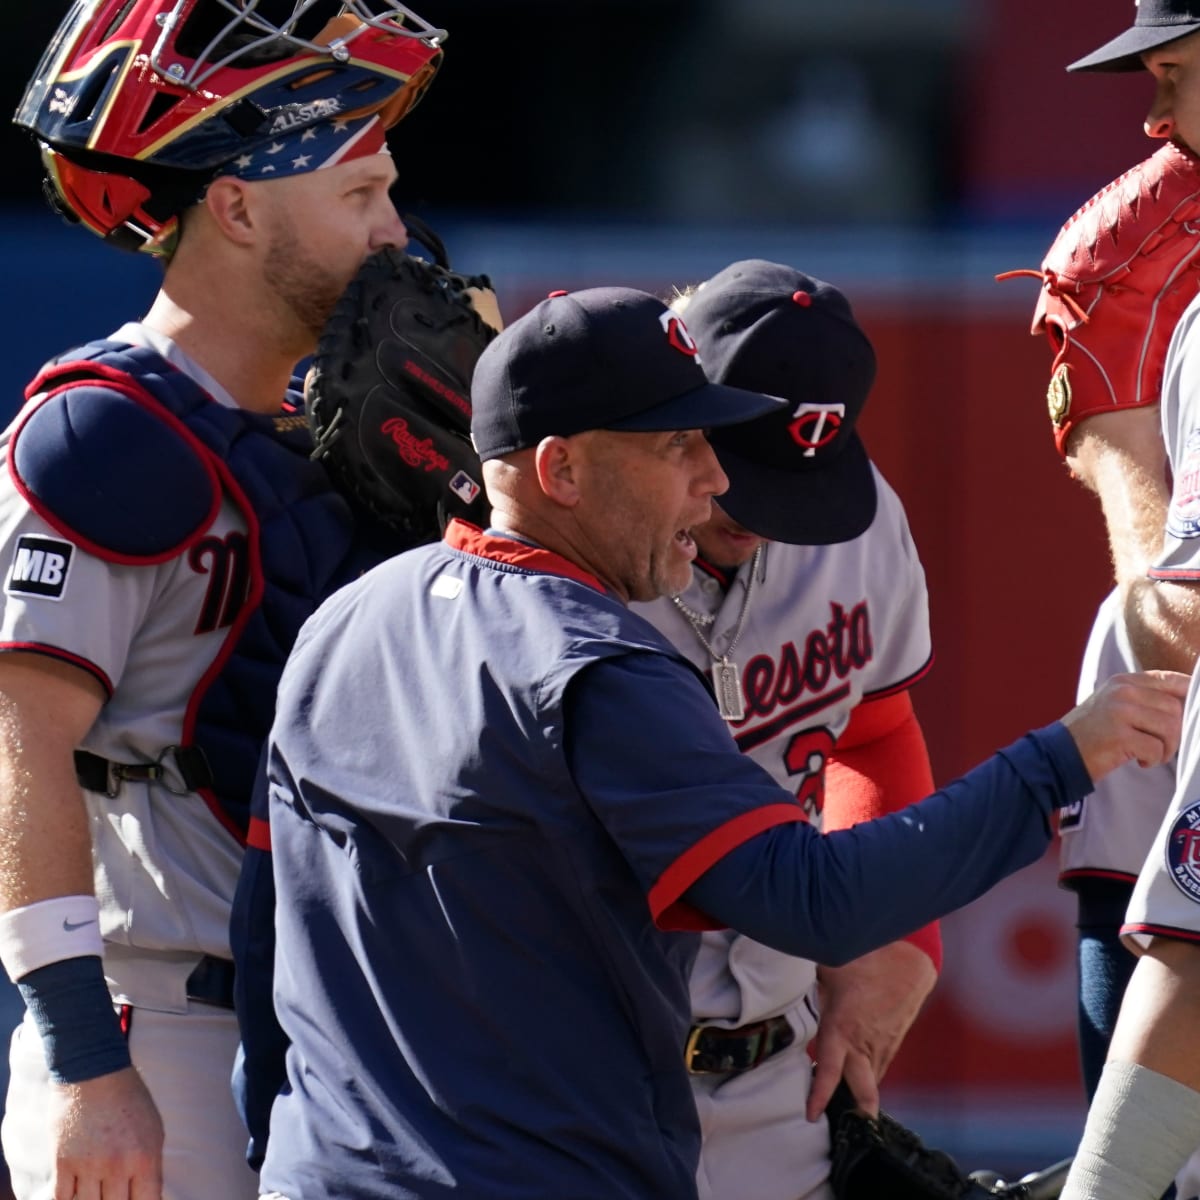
(1017, 561)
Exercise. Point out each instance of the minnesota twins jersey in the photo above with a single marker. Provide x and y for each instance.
(1180, 558)
(1107, 835)
(165, 868)
(1166, 898)
(825, 627)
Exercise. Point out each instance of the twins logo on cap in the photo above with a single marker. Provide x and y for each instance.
(1183, 852)
(816, 425)
(678, 335)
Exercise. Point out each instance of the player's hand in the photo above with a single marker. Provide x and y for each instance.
(867, 1006)
(1129, 439)
(108, 1139)
(1129, 717)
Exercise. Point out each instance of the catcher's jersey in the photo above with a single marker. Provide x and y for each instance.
(825, 627)
(165, 869)
(1107, 835)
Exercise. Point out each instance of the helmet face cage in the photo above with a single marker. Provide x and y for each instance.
(143, 87)
(247, 31)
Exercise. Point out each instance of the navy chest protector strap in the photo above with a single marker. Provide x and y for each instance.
(298, 548)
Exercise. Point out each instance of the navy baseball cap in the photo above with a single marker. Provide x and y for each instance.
(1157, 22)
(799, 475)
(602, 358)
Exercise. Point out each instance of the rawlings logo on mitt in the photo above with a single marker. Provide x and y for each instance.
(1114, 283)
(388, 396)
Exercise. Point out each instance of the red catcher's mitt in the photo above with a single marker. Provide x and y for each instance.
(1114, 283)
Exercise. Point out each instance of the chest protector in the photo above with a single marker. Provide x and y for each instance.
(303, 541)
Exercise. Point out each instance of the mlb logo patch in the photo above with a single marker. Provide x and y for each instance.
(40, 567)
(464, 487)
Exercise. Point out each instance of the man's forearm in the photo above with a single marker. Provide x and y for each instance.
(1162, 617)
(1163, 622)
(45, 841)
(1145, 1118)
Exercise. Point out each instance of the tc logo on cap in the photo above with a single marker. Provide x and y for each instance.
(816, 425)
(678, 335)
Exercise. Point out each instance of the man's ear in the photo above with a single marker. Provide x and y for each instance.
(230, 209)
(555, 461)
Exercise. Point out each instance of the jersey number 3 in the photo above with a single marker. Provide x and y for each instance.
(805, 757)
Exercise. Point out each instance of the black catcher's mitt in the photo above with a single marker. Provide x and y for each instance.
(877, 1158)
(388, 396)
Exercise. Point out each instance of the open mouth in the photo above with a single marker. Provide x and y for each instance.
(686, 542)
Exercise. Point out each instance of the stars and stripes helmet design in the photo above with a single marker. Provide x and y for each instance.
(138, 104)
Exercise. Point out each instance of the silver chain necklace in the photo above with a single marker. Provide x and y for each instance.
(726, 675)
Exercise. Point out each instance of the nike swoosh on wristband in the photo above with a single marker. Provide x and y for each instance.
(71, 926)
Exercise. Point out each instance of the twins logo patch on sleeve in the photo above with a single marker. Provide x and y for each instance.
(1183, 852)
(1183, 517)
(40, 567)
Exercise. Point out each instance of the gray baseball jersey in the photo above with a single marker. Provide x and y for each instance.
(165, 869)
(825, 626)
(1119, 818)
(1166, 898)
(1108, 834)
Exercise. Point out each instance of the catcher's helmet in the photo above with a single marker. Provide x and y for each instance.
(138, 103)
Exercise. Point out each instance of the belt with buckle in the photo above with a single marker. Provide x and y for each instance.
(211, 982)
(711, 1050)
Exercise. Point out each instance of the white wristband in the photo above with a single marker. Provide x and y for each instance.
(48, 932)
(1140, 1129)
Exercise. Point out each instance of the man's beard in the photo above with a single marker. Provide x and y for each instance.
(307, 287)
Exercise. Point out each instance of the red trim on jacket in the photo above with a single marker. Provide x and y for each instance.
(258, 835)
(501, 548)
(668, 910)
